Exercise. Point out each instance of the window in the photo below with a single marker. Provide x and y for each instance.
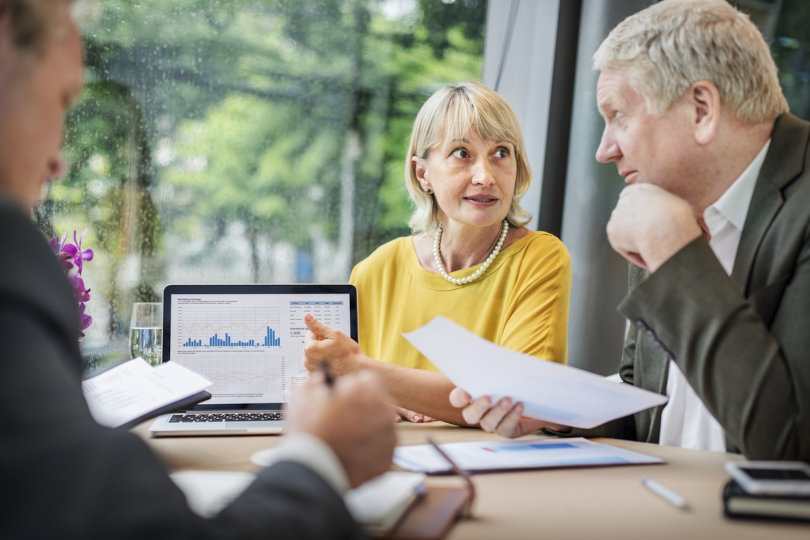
(791, 49)
(245, 141)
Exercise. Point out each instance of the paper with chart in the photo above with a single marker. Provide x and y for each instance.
(553, 392)
(506, 455)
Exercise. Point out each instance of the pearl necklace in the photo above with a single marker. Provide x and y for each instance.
(437, 257)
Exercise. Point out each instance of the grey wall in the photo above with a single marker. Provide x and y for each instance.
(518, 63)
(596, 329)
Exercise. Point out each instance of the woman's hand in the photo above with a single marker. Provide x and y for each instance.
(326, 345)
(504, 418)
(411, 416)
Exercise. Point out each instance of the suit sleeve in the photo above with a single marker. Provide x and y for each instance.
(747, 358)
(70, 477)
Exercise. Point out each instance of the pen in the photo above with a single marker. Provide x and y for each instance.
(664, 492)
(467, 510)
(328, 377)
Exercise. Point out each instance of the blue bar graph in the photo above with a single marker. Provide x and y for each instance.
(270, 340)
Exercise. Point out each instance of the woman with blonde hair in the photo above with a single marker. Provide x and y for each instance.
(470, 258)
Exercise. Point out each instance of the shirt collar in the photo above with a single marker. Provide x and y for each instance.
(733, 203)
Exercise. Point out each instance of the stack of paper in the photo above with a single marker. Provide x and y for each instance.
(135, 391)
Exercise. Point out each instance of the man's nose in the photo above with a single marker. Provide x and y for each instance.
(608, 149)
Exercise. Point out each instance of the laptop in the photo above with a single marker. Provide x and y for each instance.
(249, 341)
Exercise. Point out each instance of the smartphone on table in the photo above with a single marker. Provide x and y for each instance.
(771, 477)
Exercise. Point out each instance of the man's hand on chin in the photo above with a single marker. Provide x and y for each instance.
(649, 225)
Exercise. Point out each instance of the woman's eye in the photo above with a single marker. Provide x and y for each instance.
(460, 153)
(502, 152)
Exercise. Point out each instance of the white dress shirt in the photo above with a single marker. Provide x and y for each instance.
(315, 454)
(685, 421)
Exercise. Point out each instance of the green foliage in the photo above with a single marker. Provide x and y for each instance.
(791, 50)
(274, 115)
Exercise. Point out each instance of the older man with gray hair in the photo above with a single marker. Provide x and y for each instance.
(715, 221)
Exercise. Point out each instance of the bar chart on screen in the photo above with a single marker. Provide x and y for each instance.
(218, 326)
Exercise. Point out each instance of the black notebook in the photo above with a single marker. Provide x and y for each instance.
(738, 503)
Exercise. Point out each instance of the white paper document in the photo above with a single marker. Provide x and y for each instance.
(553, 392)
(135, 389)
(502, 455)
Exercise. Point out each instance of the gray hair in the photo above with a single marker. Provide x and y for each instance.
(451, 112)
(673, 44)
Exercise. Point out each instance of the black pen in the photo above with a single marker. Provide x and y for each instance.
(328, 377)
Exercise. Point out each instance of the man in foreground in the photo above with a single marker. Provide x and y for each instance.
(65, 476)
(715, 220)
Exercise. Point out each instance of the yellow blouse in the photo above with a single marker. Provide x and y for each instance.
(520, 302)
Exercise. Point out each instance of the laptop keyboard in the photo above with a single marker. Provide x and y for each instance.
(228, 417)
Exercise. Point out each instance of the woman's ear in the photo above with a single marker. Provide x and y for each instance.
(705, 102)
(420, 169)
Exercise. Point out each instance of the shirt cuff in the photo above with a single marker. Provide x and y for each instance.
(309, 450)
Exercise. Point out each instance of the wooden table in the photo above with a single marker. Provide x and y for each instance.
(591, 502)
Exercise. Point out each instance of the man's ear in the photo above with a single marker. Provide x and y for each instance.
(704, 100)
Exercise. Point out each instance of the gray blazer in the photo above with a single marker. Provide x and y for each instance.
(65, 476)
(743, 342)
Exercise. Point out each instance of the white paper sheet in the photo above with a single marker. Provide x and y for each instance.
(549, 391)
(135, 388)
(499, 455)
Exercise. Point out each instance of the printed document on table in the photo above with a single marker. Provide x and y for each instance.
(133, 391)
(553, 392)
(502, 455)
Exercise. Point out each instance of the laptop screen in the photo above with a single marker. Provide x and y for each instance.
(249, 339)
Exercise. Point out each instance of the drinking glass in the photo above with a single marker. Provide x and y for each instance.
(146, 332)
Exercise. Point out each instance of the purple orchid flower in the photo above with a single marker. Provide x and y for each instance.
(82, 294)
(74, 251)
(58, 247)
(85, 320)
(73, 256)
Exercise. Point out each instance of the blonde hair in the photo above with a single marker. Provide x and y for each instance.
(675, 43)
(451, 112)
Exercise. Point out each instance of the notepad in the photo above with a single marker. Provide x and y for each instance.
(377, 505)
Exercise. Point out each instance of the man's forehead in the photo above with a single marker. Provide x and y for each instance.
(614, 89)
